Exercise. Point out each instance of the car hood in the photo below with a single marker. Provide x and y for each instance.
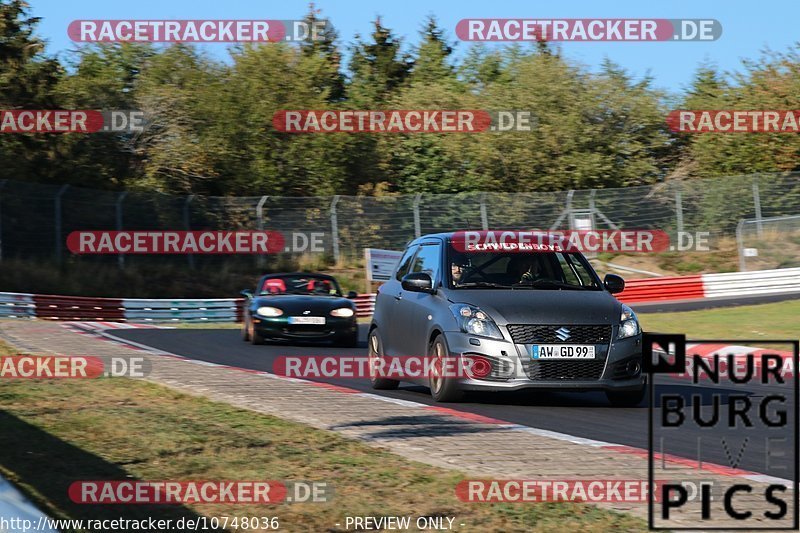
(525, 306)
(296, 304)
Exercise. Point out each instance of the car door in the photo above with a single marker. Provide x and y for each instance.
(389, 297)
(415, 307)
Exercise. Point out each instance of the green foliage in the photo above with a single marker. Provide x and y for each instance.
(210, 131)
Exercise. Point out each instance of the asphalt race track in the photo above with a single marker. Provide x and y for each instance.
(585, 415)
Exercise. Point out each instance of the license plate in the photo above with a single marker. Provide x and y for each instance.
(318, 320)
(561, 351)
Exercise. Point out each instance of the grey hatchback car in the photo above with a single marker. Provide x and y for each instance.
(522, 320)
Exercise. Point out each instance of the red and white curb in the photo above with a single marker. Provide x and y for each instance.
(480, 419)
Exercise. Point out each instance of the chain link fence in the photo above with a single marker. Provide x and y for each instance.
(35, 219)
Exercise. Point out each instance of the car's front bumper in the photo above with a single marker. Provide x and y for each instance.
(279, 328)
(621, 362)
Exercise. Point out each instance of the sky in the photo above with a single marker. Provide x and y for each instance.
(748, 28)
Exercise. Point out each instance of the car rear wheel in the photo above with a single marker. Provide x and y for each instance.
(375, 353)
(443, 388)
(626, 398)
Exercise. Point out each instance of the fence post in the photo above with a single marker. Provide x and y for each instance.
(2, 184)
(740, 246)
(260, 225)
(757, 204)
(120, 198)
(679, 211)
(417, 225)
(335, 229)
(569, 209)
(187, 226)
(484, 216)
(57, 216)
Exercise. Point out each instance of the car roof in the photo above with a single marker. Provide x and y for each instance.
(447, 236)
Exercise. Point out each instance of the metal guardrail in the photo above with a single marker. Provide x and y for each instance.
(54, 307)
(51, 307)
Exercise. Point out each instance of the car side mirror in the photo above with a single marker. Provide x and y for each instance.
(418, 282)
(352, 295)
(614, 283)
(247, 293)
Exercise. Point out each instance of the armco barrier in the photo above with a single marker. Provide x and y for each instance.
(51, 307)
(659, 289)
(16, 305)
(752, 283)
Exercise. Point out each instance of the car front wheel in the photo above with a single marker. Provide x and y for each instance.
(443, 388)
(375, 354)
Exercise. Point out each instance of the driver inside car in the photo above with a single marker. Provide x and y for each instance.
(524, 269)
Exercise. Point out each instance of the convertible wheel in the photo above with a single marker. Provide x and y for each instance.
(245, 330)
(443, 388)
(375, 354)
(349, 341)
(255, 337)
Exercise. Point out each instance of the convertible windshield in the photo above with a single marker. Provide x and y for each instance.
(300, 284)
(514, 270)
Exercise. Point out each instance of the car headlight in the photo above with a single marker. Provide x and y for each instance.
(269, 311)
(343, 312)
(629, 325)
(475, 322)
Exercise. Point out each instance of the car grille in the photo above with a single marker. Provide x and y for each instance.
(564, 370)
(535, 334)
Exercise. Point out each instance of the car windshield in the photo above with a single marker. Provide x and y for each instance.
(300, 284)
(516, 270)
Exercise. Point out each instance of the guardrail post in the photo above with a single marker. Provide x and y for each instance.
(260, 260)
(118, 207)
(335, 229)
(57, 217)
(679, 211)
(484, 215)
(187, 225)
(757, 204)
(417, 225)
(2, 184)
(740, 246)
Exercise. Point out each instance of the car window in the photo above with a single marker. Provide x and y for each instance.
(405, 262)
(507, 270)
(427, 260)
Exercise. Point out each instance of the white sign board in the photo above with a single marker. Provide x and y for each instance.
(380, 263)
(751, 252)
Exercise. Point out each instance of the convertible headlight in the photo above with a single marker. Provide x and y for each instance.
(343, 312)
(475, 322)
(269, 311)
(629, 325)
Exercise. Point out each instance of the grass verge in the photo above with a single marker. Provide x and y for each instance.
(55, 432)
(768, 321)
